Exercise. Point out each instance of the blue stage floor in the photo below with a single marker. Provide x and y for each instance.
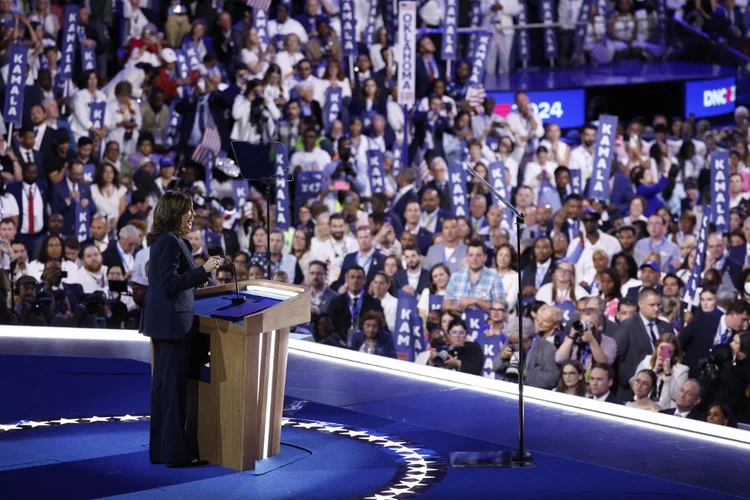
(363, 434)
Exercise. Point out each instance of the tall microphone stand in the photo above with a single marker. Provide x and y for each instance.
(520, 458)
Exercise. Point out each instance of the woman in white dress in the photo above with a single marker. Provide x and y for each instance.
(621, 29)
(126, 119)
(301, 248)
(599, 47)
(506, 265)
(42, 15)
(562, 288)
(439, 277)
(52, 249)
(334, 76)
(273, 86)
(252, 53)
(107, 193)
(559, 152)
(80, 120)
(288, 58)
(666, 362)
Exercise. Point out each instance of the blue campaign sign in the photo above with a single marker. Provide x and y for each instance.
(713, 97)
(476, 328)
(436, 302)
(582, 26)
(450, 33)
(13, 110)
(283, 216)
(376, 171)
(550, 34)
(332, 107)
(170, 133)
(408, 335)
(70, 39)
(568, 309)
(239, 192)
(720, 189)
(475, 21)
(575, 181)
(566, 108)
(604, 151)
(191, 54)
(260, 23)
(88, 58)
(96, 114)
(183, 70)
(89, 171)
(479, 61)
(308, 187)
(348, 28)
(457, 189)
(83, 222)
(694, 280)
(370, 27)
(522, 36)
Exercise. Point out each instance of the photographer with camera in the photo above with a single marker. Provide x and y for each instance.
(540, 370)
(255, 115)
(586, 343)
(458, 354)
(342, 174)
(66, 295)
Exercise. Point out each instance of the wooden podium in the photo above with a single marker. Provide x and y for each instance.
(238, 414)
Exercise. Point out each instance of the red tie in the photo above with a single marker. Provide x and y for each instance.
(432, 71)
(31, 210)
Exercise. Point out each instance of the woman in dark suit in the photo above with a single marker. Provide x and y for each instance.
(168, 319)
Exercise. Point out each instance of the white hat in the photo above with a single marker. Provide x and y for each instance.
(168, 55)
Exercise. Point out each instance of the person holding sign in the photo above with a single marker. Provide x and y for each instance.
(80, 121)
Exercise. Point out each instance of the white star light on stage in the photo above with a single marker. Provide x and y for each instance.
(331, 429)
(399, 491)
(380, 497)
(354, 433)
(34, 424)
(96, 419)
(128, 418)
(64, 421)
(308, 425)
(9, 427)
(411, 484)
(286, 421)
(390, 444)
(371, 439)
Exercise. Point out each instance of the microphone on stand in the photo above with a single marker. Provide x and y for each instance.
(238, 299)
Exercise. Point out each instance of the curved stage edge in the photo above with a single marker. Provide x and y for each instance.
(469, 412)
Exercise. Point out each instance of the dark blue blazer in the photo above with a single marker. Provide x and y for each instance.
(170, 302)
(358, 107)
(351, 260)
(218, 103)
(719, 25)
(400, 207)
(423, 77)
(738, 255)
(442, 126)
(424, 240)
(400, 280)
(622, 193)
(16, 189)
(383, 344)
(60, 191)
(398, 226)
(697, 340)
(38, 160)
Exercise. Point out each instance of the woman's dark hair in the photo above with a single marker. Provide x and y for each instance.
(745, 344)
(456, 322)
(308, 242)
(580, 385)
(652, 376)
(632, 266)
(99, 176)
(372, 315)
(728, 414)
(272, 68)
(433, 288)
(168, 214)
(317, 334)
(83, 81)
(513, 255)
(43, 257)
(616, 279)
(655, 153)
(533, 308)
(636, 176)
(123, 88)
(376, 96)
(251, 245)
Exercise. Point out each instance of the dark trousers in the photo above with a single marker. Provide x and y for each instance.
(169, 442)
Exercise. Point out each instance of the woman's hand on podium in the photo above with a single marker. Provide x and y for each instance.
(212, 264)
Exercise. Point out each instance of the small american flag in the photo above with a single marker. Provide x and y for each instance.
(209, 146)
(475, 97)
(260, 4)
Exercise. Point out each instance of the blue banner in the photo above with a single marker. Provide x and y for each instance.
(89, 171)
(575, 182)
(475, 21)
(348, 28)
(479, 61)
(260, 23)
(307, 187)
(332, 107)
(550, 35)
(582, 27)
(691, 287)
(522, 35)
(70, 39)
(390, 15)
(706, 98)
(183, 70)
(239, 192)
(496, 177)
(476, 328)
(602, 8)
(372, 14)
(408, 335)
(171, 133)
(96, 114)
(191, 55)
(604, 151)
(568, 309)
(13, 110)
(450, 34)
(493, 142)
(457, 189)
(720, 189)
(83, 222)
(376, 171)
(88, 58)
(283, 217)
(436, 302)
(661, 11)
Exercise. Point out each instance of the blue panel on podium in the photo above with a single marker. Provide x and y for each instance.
(220, 306)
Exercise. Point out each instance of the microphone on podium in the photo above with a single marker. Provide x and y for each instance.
(238, 299)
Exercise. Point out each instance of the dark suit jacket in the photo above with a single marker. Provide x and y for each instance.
(383, 344)
(111, 257)
(622, 193)
(633, 344)
(47, 141)
(719, 25)
(442, 126)
(60, 192)
(400, 207)
(697, 340)
(16, 189)
(342, 317)
(218, 103)
(358, 107)
(694, 414)
(73, 291)
(424, 240)
(170, 302)
(611, 398)
(350, 260)
(38, 160)
(528, 274)
(423, 77)
(634, 291)
(400, 280)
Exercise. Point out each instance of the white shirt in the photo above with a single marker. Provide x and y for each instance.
(333, 253)
(39, 130)
(389, 303)
(25, 155)
(91, 283)
(80, 120)
(585, 263)
(288, 27)
(521, 126)
(108, 205)
(38, 206)
(413, 277)
(568, 12)
(580, 159)
(510, 288)
(720, 331)
(544, 294)
(313, 161)
(8, 206)
(533, 170)
(128, 259)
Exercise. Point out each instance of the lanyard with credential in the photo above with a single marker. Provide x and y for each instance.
(355, 308)
(366, 265)
(125, 265)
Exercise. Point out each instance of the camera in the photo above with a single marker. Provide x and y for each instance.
(118, 286)
(64, 274)
(578, 327)
(443, 351)
(712, 365)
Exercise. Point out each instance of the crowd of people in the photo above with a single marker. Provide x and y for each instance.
(602, 293)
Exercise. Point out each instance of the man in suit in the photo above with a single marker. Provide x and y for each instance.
(600, 383)
(433, 214)
(25, 152)
(44, 135)
(122, 253)
(350, 305)
(366, 257)
(99, 233)
(708, 330)
(414, 279)
(637, 337)
(687, 399)
(195, 110)
(430, 127)
(407, 191)
(718, 258)
(740, 254)
(451, 252)
(217, 235)
(413, 216)
(322, 295)
(650, 276)
(439, 184)
(541, 369)
(540, 271)
(428, 68)
(69, 193)
(30, 196)
(727, 25)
